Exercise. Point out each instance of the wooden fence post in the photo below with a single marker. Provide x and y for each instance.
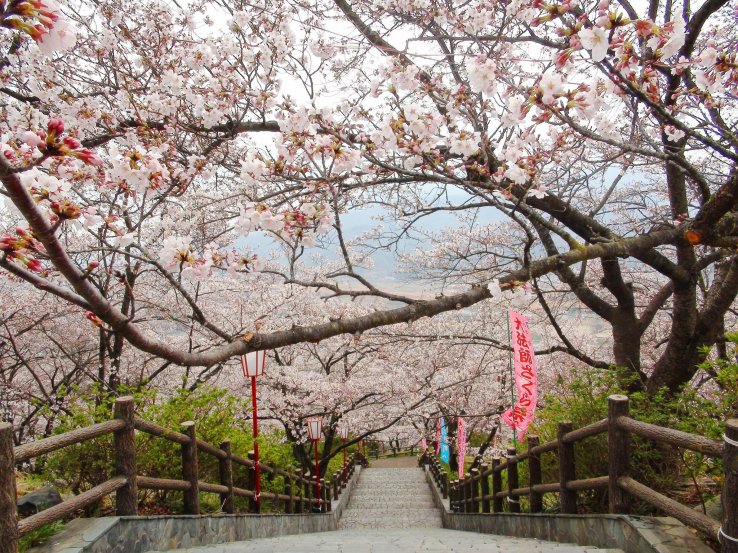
(8, 492)
(534, 471)
(325, 491)
(254, 505)
(308, 483)
(729, 531)
(567, 471)
(298, 495)
(496, 486)
(618, 453)
(483, 468)
(190, 470)
(452, 495)
(336, 484)
(467, 493)
(124, 441)
(289, 506)
(512, 481)
(225, 468)
(474, 483)
(444, 485)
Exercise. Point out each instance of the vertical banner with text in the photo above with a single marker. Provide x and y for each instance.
(445, 450)
(520, 415)
(461, 444)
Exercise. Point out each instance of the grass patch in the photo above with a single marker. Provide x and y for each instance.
(40, 535)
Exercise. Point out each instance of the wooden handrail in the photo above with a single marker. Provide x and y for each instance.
(216, 452)
(60, 441)
(544, 448)
(243, 461)
(688, 516)
(466, 495)
(66, 508)
(149, 483)
(126, 482)
(159, 431)
(673, 437)
(579, 434)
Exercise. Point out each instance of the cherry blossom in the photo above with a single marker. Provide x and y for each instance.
(595, 40)
(551, 86)
(210, 163)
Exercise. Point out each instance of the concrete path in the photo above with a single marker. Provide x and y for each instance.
(427, 540)
(391, 498)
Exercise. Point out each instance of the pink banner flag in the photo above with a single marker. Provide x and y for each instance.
(461, 444)
(520, 415)
(438, 437)
(424, 444)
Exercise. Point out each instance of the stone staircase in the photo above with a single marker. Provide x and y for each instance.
(391, 510)
(391, 498)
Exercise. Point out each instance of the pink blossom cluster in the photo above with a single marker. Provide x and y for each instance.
(24, 248)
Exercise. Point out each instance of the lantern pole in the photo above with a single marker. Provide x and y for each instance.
(257, 471)
(252, 372)
(317, 472)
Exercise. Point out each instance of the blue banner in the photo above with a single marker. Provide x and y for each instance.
(445, 450)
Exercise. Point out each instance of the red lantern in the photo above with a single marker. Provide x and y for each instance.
(315, 428)
(253, 363)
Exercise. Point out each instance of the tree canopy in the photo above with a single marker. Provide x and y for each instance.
(583, 156)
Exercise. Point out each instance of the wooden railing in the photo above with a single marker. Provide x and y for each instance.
(437, 473)
(297, 495)
(473, 493)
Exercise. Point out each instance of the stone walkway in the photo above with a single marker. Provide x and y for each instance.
(426, 540)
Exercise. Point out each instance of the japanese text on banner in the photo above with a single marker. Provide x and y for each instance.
(520, 415)
(461, 444)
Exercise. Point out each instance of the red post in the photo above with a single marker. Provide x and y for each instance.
(257, 472)
(344, 461)
(317, 472)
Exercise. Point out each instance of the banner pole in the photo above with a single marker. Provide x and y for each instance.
(512, 380)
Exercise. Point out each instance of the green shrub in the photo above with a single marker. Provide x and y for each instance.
(219, 415)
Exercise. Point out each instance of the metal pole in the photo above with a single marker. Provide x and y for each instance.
(317, 472)
(512, 380)
(257, 473)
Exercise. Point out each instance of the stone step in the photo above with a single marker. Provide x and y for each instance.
(426, 494)
(391, 506)
(429, 539)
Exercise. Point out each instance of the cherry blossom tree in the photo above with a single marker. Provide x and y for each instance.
(588, 150)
